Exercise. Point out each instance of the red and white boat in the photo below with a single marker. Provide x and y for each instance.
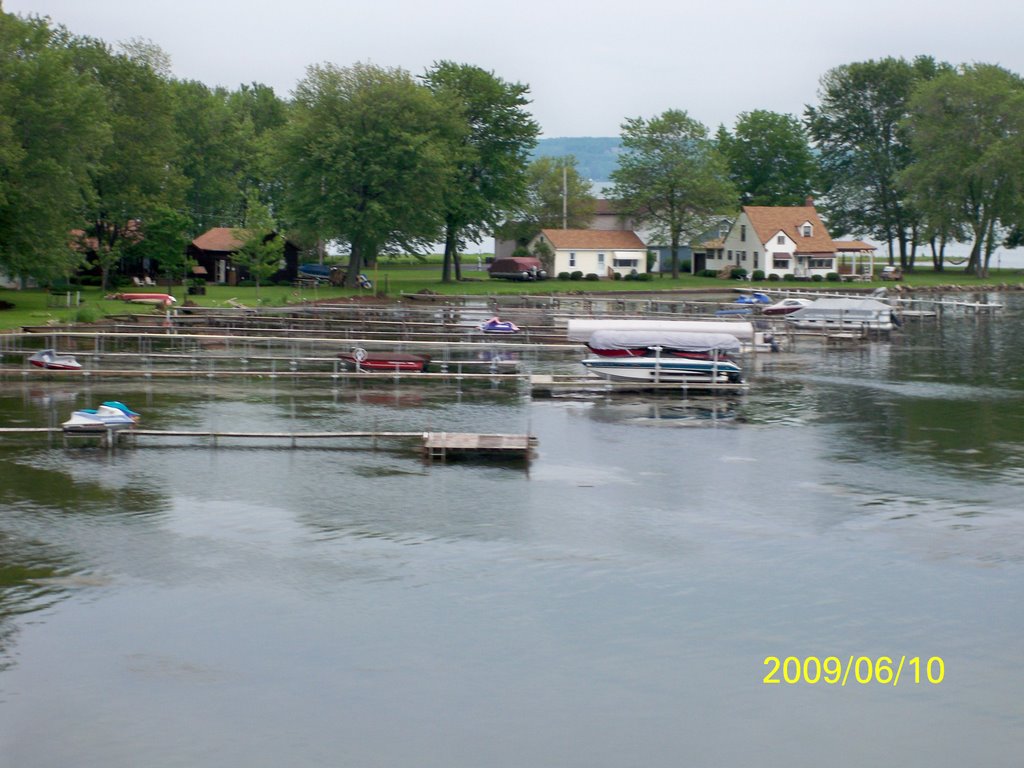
(392, 362)
(158, 299)
(50, 359)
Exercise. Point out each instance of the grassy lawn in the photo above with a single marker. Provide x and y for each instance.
(38, 307)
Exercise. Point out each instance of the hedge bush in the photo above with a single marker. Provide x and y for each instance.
(564, 276)
(576, 275)
(758, 275)
(591, 277)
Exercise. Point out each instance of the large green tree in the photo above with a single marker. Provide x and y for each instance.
(366, 158)
(858, 130)
(262, 249)
(557, 196)
(137, 174)
(770, 159)
(213, 149)
(672, 178)
(51, 135)
(493, 137)
(966, 129)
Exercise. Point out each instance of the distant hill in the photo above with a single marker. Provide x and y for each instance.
(596, 156)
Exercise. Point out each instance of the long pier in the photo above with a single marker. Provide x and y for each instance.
(434, 446)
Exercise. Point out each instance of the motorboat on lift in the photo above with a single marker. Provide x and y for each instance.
(785, 307)
(111, 414)
(664, 356)
(497, 325)
(393, 362)
(50, 359)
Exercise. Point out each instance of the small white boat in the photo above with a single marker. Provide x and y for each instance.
(49, 358)
(664, 357)
(786, 306)
(109, 415)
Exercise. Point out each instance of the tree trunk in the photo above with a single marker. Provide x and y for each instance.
(675, 255)
(449, 254)
(355, 263)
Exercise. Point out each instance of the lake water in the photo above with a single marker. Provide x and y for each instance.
(610, 606)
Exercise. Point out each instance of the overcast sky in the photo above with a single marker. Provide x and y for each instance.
(589, 65)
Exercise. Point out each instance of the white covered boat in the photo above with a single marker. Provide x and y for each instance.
(661, 357)
(844, 314)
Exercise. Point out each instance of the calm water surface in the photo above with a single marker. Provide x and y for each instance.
(612, 606)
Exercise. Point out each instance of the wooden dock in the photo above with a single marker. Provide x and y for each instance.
(435, 446)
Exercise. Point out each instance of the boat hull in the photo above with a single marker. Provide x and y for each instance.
(656, 371)
(397, 361)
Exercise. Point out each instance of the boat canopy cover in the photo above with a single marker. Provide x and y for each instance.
(689, 341)
(582, 329)
(844, 307)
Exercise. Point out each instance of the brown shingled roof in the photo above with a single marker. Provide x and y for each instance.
(769, 220)
(218, 239)
(594, 239)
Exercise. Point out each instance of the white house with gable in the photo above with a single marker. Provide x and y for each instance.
(600, 252)
(781, 240)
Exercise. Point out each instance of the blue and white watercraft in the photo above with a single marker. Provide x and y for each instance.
(111, 414)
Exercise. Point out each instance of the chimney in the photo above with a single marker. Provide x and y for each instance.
(809, 202)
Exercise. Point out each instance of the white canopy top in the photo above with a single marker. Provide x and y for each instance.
(692, 342)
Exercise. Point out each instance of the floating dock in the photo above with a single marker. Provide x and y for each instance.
(555, 385)
(434, 446)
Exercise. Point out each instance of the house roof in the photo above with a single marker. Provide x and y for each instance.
(769, 220)
(218, 239)
(594, 239)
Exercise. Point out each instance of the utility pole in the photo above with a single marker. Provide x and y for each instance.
(565, 193)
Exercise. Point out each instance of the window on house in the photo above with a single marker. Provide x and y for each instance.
(743, 233)
(572, 259)
(781, 239)
(807, 230)
(822, 263)
(729, 256)
(780, 263)
(631, 263)
(755, 260)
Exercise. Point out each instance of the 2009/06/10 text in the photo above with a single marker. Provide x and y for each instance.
(862, 670)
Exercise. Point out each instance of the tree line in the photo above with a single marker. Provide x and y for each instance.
(106, 143)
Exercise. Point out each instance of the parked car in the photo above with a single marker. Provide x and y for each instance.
(891, 273)
(518, 268)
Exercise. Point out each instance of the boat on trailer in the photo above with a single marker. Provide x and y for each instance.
(52, 360)
(157, 299)
(664, 357)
